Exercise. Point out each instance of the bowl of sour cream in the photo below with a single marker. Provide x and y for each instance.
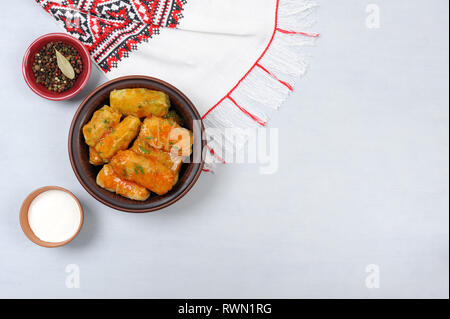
(51, 216)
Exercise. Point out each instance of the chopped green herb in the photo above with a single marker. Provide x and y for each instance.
(105, 121)
(174, 116)
(139, 169)
(143, 150)
(149, 137)
(170, 122)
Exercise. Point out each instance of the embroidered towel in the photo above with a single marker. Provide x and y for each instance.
(232, 58)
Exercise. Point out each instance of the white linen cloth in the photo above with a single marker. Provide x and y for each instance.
(232, 58)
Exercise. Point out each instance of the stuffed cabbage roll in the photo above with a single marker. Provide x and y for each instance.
(94, 158)
(119, 139)
(109, 180)
(166, 135)
(144, 171)
(101, 124)
(140, 102)
(170, 160)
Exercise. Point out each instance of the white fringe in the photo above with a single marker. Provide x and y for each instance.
(261, 91)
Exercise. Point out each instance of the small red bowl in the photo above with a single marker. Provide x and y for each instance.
(39, 89)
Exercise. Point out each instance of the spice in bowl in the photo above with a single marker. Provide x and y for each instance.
(57, 66)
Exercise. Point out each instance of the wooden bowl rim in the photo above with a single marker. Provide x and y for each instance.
(23, 217)
(111, 204)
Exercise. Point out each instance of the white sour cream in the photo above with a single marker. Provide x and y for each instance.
(54, 216)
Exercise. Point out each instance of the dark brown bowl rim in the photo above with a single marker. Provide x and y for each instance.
(130, 210)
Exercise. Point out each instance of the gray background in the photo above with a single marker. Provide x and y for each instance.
(363, 179)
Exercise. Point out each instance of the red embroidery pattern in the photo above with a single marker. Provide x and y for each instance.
(110, 29)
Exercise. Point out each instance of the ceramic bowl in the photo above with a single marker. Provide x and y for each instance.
(26, 226)
(86, 173)
(39, 89)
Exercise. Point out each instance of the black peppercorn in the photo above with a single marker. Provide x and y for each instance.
(46, 71)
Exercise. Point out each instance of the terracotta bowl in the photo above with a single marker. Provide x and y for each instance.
(26, 226)
(39, 89)
(87, 173)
